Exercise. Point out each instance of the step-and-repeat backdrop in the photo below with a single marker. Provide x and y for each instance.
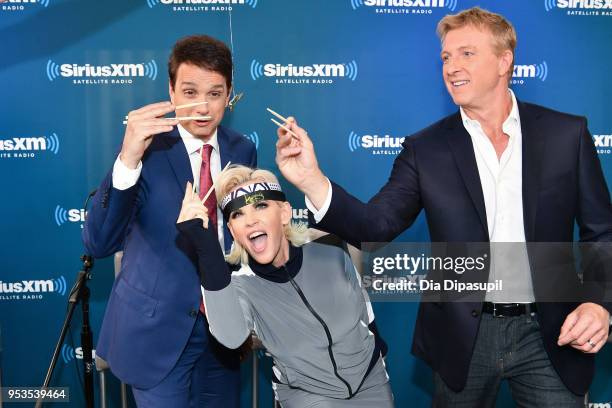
(360, 75)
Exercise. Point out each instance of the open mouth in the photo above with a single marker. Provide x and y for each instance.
(457, 84)
(258, 240)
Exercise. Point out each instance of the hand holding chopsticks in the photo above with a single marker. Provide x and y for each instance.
(292, 133)
(183, 118)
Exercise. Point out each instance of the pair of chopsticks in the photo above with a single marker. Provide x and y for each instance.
(277, 123)
(180, 118)
(210, 190)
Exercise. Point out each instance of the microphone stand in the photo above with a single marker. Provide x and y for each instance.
(79, 292)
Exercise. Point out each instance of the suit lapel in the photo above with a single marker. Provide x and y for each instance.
(225, 148)
(533, 147)
(178, 158)
(462, 148)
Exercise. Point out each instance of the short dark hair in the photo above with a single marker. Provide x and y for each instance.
(202, 51)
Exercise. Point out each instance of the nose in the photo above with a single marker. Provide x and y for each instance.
(203, 109)
(251, 219)
(452, 66)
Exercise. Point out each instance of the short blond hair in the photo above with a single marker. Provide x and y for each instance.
(504, 34)
(238, 175)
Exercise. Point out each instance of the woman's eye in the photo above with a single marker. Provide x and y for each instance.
(235, 215)
(261, 205)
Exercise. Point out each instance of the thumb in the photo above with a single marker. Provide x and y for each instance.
(570, 321)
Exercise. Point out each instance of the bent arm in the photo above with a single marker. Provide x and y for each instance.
(225, 315)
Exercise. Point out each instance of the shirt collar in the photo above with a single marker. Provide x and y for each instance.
(282, 274)
(193, 144)
(511, 121)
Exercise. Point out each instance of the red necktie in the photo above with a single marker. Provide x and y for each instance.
(211, 202)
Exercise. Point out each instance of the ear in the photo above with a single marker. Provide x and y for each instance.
(229, 226)
(286, 213)
(171, 91)
(505, 62)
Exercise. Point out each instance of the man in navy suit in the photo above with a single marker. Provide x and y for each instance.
(155, 334)
(501, 171)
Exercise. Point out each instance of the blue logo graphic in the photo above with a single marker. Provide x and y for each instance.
(539, 71)
(45, 3)
(353, 141)
(61, 215)
(53, 143)
(253, 137)
(59, 285)
(151, 69)
(52, 70)
(542, 71)
(256, 70)
(356, 3)
(153, 3)
(351, 70)
(67, 353)
(550, 4)
(450, 4)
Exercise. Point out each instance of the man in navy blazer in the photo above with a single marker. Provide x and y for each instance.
(499, 170)
(153, 336)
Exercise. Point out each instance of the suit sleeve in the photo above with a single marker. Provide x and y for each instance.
(224, 310)
(393, 209)
(594, 221)
(109, 217)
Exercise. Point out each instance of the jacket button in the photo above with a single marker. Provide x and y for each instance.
(474, 313)
(193, 313)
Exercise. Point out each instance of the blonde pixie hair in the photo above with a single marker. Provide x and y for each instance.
(238, 175)
(504, 35)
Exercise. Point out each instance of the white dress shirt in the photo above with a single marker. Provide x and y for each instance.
(502, 188)
(124, 177)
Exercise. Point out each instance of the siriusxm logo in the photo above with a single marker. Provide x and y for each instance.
(69, 354)
(26, 147)
(375, 144)
(299, 214)
(101, 74)
(603, 143)
(17, 5)
(402, 5)
(521, 72)
(35, 286)
(600, 405)
(202, 5)
(62, 216)
(304, 74)
(253, 137)
(578, 4)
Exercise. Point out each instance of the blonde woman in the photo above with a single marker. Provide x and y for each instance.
(304, 301)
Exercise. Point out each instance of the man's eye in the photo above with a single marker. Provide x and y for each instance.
(468, 53)
(189, 92)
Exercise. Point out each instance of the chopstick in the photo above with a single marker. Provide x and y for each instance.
(183, 118)
(210, 190)
(189, 105)
(281, 117)
(277, 123)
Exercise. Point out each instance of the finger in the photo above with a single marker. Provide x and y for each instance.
(188, 192)
(570, 321)
(153, 110)
(291, 151)
(578, 330)
(143, 122)
(155, 130)
(593, 328)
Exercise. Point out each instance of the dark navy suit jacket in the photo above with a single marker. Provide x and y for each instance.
(436, 172)
(154, 301)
